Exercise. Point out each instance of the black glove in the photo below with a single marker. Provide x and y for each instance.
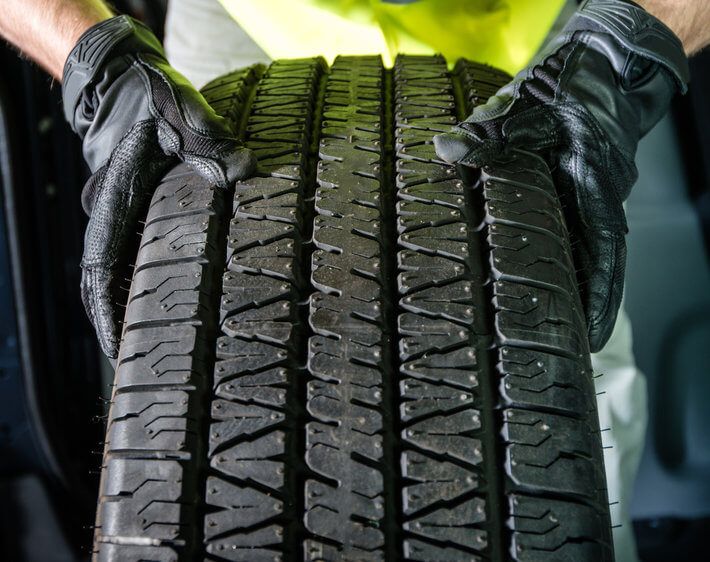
(137, 117)
(583, 104)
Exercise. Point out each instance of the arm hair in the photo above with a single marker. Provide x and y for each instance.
(47, 30)
(689, 20)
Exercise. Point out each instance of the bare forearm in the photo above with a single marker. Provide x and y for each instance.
(689, 19)
(46, 30)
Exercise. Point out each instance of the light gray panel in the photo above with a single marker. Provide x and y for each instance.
(668, 300)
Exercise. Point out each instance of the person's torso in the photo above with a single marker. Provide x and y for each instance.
(502, 33)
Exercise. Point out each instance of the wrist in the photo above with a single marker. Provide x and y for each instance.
(80, 24)
(685, 19)
(102, 42)
(637, 31)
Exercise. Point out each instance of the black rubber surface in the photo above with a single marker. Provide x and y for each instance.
(357, 354)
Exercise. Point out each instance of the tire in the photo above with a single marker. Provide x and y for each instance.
(356, 354)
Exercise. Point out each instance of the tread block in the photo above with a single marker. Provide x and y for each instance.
(143, 498)
(183, 197)
(548, 529)
(451, 302)
(246, 233)
(438, 481)
(446, 240)
(150, 420)
(108, 552)
(550, 452)
(331, 317)
(519, 254)
(445, 193)
(419, 271)
(518, 203)
(265, 387)
(169, 292)
(254, 508)
(249, 460)
(330, 521)
(161, 356)
(534, 314)
(245, 547)
(238, 357)
(270, 322)
(533, 379)
(417, 214)
(414, 172)
(424, 335)
(457, 367)
(235, 420)
(448, 435)
(326, 357)
(279, 208)
(421, 399)
(424, 552)
(178, 238)
(274, 260)
(316, 550)
(456, 525)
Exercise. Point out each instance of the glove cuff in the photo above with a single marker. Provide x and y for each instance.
(636, 30)
(98, 44)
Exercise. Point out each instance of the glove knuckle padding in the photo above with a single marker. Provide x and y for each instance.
(176, 100)
(583, 104)
(535, 128)
(205, 141)
(189, 128)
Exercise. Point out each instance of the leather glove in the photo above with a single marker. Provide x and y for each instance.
(137, 117)
(583, 105)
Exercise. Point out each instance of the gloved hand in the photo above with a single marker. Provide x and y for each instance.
(583, 104)
(137, 117)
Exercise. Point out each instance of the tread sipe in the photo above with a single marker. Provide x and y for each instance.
(356, 354)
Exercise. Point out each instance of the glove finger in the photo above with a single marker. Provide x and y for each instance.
(460, 148)
(603, 262)
(479, 141)
(122, 192)
(96, 294)
(496, 106)
(222, 164)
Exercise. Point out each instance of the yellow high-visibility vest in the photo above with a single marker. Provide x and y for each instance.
(502, 33)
